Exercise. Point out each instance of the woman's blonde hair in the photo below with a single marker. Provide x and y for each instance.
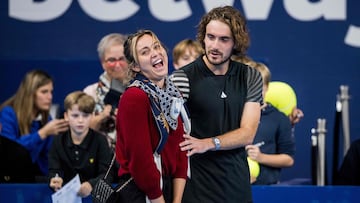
(23, 101)
(130, 51)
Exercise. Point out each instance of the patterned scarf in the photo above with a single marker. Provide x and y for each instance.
(101, 91)
(169, 99)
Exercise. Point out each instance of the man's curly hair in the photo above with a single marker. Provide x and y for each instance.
(236, 22)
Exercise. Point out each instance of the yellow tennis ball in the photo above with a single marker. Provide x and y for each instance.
(254, 168)
(281, 96)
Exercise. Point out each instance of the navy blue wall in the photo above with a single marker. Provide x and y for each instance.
(40, 193)
(302, 46)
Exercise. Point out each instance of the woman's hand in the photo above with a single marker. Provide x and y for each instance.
(53, 127)
(158, 200)
(100, 117)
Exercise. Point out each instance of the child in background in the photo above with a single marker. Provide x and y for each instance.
(185, 52)
(80, 150)
(275, 131)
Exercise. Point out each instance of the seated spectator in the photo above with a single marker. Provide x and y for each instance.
(350, 167)
(111, 54)
(295, 114)
(80, 150)
(185, 52)
(275, 131)
(27, 129)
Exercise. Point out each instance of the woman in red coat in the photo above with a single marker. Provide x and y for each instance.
(158, 174)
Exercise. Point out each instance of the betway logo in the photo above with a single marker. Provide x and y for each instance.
(172, 11)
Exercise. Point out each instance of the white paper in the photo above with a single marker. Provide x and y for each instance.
(68, 193)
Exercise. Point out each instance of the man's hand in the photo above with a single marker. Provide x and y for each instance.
(194, 145)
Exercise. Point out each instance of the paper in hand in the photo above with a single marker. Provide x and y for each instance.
(69, 192)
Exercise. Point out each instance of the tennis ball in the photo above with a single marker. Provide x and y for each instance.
(254, 168)
(281, 96)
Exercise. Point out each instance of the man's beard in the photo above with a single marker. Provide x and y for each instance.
(220, 63)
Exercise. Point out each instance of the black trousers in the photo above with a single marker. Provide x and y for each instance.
(132, 194)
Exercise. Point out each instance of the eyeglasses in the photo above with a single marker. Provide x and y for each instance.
(112, 60)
